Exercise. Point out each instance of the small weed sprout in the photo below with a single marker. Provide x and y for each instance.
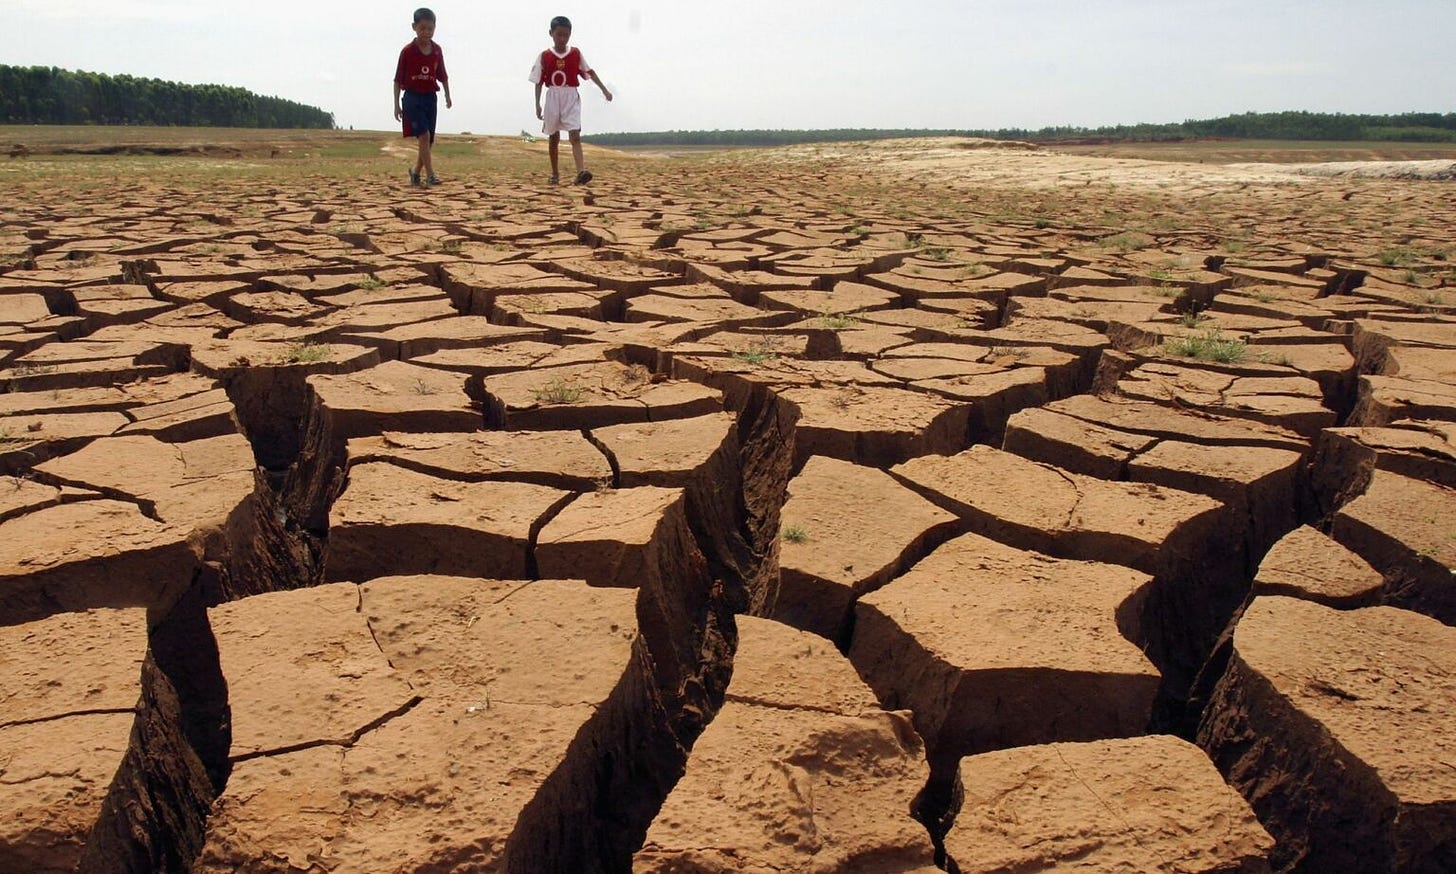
(1127, 241)
(1282, 359)
(1209, 345)
(557, 391)
(760, 352)
(1396, 256)
(424, 388)
(836, 321)
(1163, 289)
(1017, 352)
(308, 352)
(1435, 299)
(1264, 297)
(370, 283)
(937, 253)
(1192, 319)
(794, 534)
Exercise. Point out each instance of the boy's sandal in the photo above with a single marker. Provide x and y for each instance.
(432, 179)
(583, 177)
(414, 179)
(554, 180)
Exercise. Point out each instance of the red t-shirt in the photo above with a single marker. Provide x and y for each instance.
(561, 71)
(418, 71)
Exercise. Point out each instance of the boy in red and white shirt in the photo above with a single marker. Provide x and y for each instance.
(559, 70)
(421, 65)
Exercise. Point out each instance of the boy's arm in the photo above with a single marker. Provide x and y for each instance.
(444, 78)
(597, 79)
(538, 100)
(398, 112)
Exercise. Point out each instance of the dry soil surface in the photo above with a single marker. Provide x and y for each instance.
(851, 507)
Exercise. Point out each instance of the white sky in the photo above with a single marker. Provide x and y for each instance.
(683, 65)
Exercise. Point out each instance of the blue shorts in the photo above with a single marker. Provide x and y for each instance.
(419, 114)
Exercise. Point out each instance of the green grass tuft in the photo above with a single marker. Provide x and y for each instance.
(1210, 345)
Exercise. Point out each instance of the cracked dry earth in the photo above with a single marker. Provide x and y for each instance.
(769, 512)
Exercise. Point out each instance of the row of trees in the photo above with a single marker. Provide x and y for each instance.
(50, 95)
(1415, 127)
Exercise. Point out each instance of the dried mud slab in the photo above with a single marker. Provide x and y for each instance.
(1260, 486)
(800, 770)
(1167, 422)
(1345, 458)
(1039, 507)
(1308, 564)
(609, 537)
(1374, 340)
(732, 489)
(847, 531)
(1334, 726)
(1292, 402)
(559, 459)
(428, 692)
(874, 426)
(394, 396)
(993, 647)
(1403, 528)
(93, 553)
(391, 520)
(1383, 400)
(1140, 804)
(590, 396)
(70, 685)
(266, 382)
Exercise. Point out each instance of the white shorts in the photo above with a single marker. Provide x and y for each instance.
(561, 110)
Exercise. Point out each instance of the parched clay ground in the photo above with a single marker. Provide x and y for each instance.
(898, 507)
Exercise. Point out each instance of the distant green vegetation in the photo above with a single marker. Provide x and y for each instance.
(1410, 127)
(50, 95)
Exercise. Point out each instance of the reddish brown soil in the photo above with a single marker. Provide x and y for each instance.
(841, 508)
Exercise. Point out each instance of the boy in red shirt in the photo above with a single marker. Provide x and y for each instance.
(558, 70)
(421, 65)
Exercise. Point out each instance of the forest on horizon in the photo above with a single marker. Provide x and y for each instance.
(51, 95)
(1410, 127)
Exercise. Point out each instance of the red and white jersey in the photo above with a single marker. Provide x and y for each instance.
(564, 70)
(418, 71)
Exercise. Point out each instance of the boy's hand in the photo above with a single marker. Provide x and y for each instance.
(398, 114)
(539, 115)
(449, 104)
(607, 94)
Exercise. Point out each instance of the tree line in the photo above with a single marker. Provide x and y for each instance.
(1411, 127)
(50, 95)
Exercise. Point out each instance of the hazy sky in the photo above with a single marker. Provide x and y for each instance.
(680, 65)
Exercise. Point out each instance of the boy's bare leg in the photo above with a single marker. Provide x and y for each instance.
(425, 165)
(553, 147)
(576, 151)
